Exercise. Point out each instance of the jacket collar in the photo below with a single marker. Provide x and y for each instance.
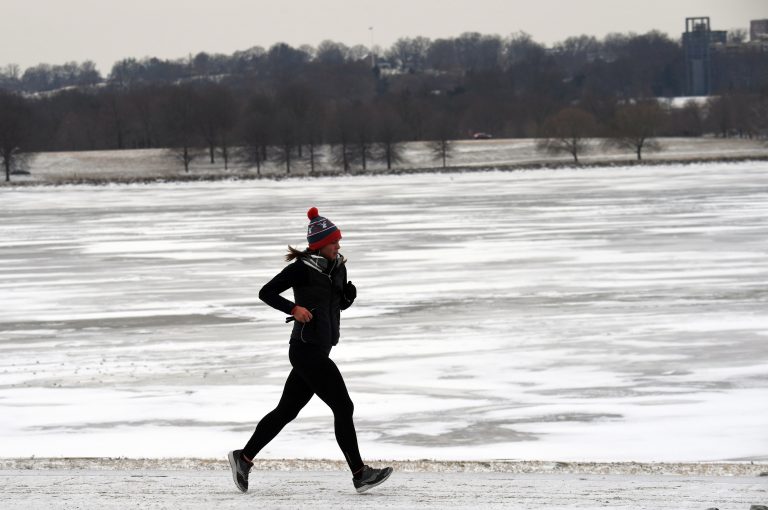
(321, 264)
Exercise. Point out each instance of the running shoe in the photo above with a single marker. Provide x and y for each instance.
(240, 469)
(370, 478)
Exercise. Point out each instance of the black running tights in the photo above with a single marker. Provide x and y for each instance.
(313, 373)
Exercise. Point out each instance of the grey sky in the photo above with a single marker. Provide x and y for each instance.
(56, 31)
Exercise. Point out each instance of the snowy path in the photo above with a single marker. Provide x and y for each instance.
(154, 489)
(148, 484)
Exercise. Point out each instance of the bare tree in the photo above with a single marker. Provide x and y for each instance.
(311, 133)
(342, 129)
(76, 121)
(283, 61)
(578, 50)
(144, 107)
(409, 53)
(442, 133)
(636, 127)
(285, 138)
(282, 153)
(358, 52)
(185, 155)
(520, 47)
(342, 153)
(688, 120)
(224, 150)
(414, 114)
(217, 117)
(478, 52)
(225, 134)
(299, 100)
(568, 132)
(363, 136)
(732, 114)
(442, 150)
(14, 131)
(254, 130)
(390, 135)
(181, 119)
(747, 117)
(9, 77)
(331, 53)
(11, 71)
(113, 111)
(759, 112)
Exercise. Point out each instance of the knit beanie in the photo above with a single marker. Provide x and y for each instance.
(321, 231)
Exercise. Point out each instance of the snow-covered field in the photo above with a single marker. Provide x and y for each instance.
(595, 314)
(56, 167)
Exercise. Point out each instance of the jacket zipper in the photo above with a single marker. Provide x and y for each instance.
(330, 280)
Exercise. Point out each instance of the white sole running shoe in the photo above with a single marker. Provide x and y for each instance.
(371, 478)
(240, 469)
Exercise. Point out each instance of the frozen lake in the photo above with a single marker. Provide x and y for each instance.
(596, 314)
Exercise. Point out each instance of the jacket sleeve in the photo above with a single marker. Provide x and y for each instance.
(290, 276)
(345, 301)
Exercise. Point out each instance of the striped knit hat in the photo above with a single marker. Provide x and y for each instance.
(321, 231)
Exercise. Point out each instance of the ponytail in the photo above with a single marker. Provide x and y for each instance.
(294, 253)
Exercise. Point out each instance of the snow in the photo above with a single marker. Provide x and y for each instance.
(155, 489)
(682, 101)
(560, 315)
(58, 167)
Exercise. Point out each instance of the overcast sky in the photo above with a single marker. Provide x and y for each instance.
(105, 31)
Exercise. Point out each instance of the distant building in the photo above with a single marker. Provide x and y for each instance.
(741, 66)
(697, 42)
(758, 30)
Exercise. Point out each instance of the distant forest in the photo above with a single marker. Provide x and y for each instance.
(282, 101)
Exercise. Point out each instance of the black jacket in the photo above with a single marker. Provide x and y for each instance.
(318, 286)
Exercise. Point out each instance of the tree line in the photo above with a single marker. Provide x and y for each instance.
(282, 103)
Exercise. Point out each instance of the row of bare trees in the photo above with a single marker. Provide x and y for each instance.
(210, 118)
(282, 104)
(636, 125)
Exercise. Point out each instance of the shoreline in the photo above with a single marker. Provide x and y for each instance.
(719, 468)
(245, 175)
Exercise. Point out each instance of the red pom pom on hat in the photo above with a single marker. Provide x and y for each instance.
(313, 213)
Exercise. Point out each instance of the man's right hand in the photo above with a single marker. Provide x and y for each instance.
(301, 314)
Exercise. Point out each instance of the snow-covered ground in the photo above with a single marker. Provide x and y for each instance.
(590, 314)
(149, 490)
(55, 167)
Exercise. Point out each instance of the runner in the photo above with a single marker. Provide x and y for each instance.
(318, 277)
